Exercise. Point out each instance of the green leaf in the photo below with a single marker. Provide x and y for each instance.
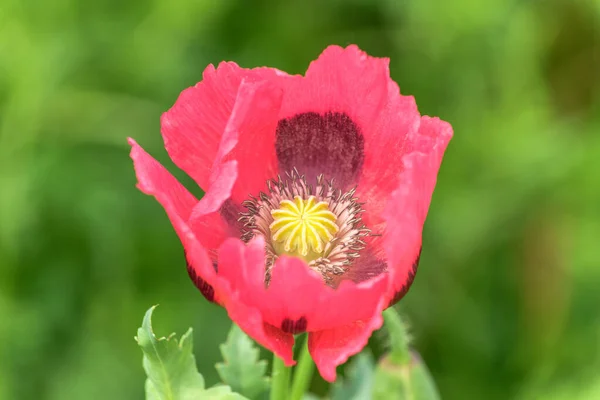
(358, 383)
(219, 392)
(171, 368)
(242, 369)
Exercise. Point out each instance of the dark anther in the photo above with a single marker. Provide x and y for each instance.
(330, 144)
(207, 291)
(294, 327)
(411, 277)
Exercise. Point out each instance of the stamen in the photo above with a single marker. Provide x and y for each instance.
(317, 223)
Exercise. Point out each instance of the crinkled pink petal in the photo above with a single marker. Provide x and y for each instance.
(193, 127)
(347, 80)
(332, 347)
(206, 219)
(243, 266)
(408, 206)
(251, 321)
(245, 159)
(155, 180)
(297, 299)
(298, 292)
(235, 261)
(249, 137)
(329, 115)
(178, 202)
(341, 79)
(385, 146)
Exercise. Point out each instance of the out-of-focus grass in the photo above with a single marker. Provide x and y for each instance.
(505, 304)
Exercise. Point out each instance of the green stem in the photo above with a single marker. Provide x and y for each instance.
(400, 351)
(280, 380)
(302, 373)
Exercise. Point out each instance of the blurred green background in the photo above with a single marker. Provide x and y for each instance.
(506, 304)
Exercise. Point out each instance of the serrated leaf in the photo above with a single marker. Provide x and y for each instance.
(358, 383)
(220, 392)
(241, 368)
(171, 367)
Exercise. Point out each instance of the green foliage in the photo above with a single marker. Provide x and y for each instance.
(401, 374)
(358, 384)
(310, 396)
(422, 383)
(398, 338)
(410, 381)
(505, 302)
(171, 368)
(241, 369)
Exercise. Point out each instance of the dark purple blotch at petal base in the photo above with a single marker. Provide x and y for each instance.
(330, 144)
(207, 290)
(365, 267)
(294, 327)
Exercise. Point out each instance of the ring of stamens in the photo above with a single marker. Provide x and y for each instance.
(319, 224)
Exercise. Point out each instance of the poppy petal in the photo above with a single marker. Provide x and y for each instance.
(385, 145)
(249, 137)
(341, 79)
(193, 127)
(244, 162)
(242, 269)
(249, 319)
(178, 202)
(297, 299)
(328, 114)
(407, 208)
(207, 220)
(320, 306)
(332, 347)
(155, 180)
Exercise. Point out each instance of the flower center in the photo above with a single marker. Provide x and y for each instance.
(319, 224)
(302, 227)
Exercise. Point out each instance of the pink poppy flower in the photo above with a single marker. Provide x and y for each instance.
(317, 188)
